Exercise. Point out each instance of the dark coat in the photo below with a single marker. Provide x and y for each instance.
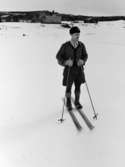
(67, 51)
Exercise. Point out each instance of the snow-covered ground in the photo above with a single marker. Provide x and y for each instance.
(31, 97)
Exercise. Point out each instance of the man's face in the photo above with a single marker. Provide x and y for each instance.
(75, 36)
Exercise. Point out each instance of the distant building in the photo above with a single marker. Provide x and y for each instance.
(43, 17)
(5, 18)
(51, 19)
(91, 20)
(12, 17)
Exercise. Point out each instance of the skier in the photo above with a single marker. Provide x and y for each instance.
(73, 56)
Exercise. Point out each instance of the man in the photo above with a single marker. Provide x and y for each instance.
(73, 56)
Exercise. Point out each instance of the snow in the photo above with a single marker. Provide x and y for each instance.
(31, 97)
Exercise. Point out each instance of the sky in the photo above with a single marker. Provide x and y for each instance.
(89, 7)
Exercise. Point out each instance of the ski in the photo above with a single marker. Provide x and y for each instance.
(87, 121)
(72, 115)
(75, 121)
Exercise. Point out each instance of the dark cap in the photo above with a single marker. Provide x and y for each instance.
(74, 29)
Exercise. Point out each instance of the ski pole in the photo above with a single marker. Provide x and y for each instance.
(62, 119)
(64, 99)
(95, 114)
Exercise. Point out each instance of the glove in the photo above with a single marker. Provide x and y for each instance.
(69, 63)
(80, 62)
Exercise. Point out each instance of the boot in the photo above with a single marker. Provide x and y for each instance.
(77, 103)
(68, 102)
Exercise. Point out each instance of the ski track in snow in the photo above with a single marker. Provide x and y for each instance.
(31, 97)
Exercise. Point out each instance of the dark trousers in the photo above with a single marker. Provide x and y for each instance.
(69, 88)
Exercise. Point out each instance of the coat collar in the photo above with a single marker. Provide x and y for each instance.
(76, 45)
